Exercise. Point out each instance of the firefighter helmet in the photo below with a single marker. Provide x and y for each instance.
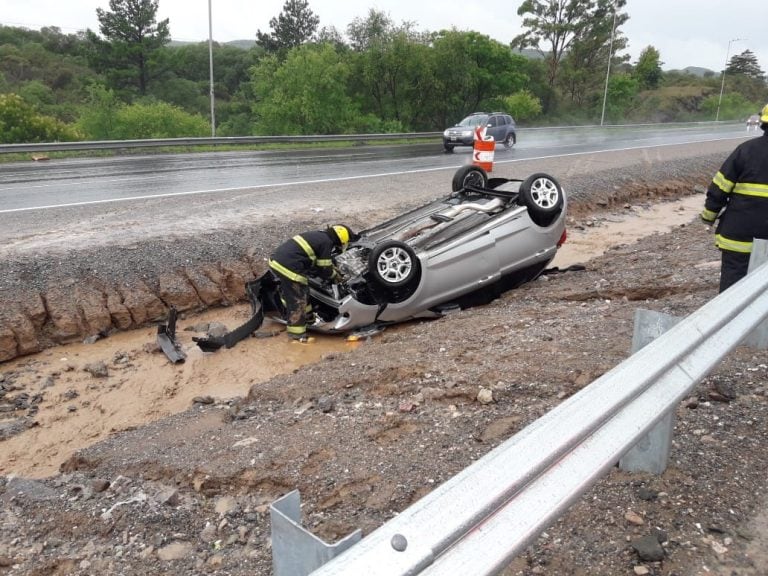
(764, 115)
(344, 234)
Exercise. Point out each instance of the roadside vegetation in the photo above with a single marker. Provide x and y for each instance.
(128, 80)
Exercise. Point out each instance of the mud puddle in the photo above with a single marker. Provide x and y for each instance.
(75, 408)
(592, 239)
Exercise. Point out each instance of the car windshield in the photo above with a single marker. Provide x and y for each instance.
(473, 121)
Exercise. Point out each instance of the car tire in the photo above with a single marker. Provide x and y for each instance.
(394, 264)
(469, 176)
(510, 140)
(543, 196)
(448, 148)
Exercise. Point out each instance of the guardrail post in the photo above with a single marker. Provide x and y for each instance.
(295, 550)
(651, 453)
(758, 338)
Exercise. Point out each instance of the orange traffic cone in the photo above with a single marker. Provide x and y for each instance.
(483, 148)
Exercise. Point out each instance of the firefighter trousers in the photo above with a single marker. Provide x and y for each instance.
(733, 267)
(297, 307)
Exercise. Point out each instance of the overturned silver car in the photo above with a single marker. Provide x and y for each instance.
(485, 237)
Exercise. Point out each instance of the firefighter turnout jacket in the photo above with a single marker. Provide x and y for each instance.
(306, 254)
(738, 195)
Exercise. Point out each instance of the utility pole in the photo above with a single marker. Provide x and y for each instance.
(210, 66)
(608, 71)
(722, 83)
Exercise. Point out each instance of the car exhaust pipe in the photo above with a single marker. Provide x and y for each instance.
(488, 207)
(448, 215)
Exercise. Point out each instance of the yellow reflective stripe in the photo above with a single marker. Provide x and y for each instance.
(708, 215)
(324, 262)
(749, 189)
(723, 183)
(733, 245)
(305, 245)
(296, 329)
(280, 269)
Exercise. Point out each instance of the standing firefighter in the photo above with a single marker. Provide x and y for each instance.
(307, 254)
(738, 196)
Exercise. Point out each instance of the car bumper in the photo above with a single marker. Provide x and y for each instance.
(458, 141)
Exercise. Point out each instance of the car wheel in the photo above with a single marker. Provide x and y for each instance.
(543, 196)
(509, 141)
(448, 147)
(394, 264)
(467, 176)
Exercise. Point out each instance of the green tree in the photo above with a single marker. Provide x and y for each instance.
(37, 94)
(750, 88)
(48, 57)
(522, 105)
(330, 35)
(21, 123)
(132, 36)
(184, 79)
(554, 25)
(106, 118)
(584, 67)
(746, 64)
(99, 116)
(648, 68)
(733, 106)
(376, 27)
(146, 120)
(305, 94)
(622, 90)
(294, 26)
(389, 63)
(471, 72)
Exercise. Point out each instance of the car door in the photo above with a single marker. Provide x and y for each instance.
(495, 127)
(463, 265)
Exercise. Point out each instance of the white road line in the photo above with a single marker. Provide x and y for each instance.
(346, 178)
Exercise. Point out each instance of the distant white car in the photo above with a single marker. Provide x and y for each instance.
(753, 121)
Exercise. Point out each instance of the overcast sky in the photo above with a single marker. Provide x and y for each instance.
(686, 32)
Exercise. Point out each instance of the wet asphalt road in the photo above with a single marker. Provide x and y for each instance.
(77, 182)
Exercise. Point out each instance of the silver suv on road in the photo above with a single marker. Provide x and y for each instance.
(499, 125)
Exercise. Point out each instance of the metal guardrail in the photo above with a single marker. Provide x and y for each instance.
(245, 140)
(478, 521)
(210, 141)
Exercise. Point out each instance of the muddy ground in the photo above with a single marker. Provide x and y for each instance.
(117, 462)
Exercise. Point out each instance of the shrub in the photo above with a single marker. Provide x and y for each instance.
(20, 123)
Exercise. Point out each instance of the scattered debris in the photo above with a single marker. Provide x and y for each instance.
(166, 339)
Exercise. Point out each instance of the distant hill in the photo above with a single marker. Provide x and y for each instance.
(696, 71)
(244, 44)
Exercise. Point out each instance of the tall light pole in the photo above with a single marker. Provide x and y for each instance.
(722, 83)
(608, 71)
(210, 66)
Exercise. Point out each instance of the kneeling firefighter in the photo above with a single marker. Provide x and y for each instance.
(306, 254)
